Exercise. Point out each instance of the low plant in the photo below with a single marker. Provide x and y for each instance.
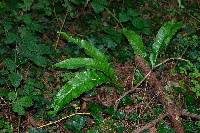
(163, 37)
(165, 34)
(97, 71)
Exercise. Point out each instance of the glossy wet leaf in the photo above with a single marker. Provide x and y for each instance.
(136, 42)
(74, 63)
(89, 48)
(82, 82)
(165, 34)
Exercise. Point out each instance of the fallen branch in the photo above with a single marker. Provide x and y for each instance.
(168, 104)
(50, 123)
(58, 37)
(151, 124)
(133, 89)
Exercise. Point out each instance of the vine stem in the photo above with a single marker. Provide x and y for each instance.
(54, 122)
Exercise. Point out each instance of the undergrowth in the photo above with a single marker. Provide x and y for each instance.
(30, 46)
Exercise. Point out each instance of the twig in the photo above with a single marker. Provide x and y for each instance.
(149, 125)
(18, 124)
(170, 59)
(131, 90)
(3, 101)
(50, 123)
(192, 115)
(58, 37)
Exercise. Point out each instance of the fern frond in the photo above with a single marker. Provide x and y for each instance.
(136, 42)
(82, 82)
(89, 48)
(165, 34)
(74, 63)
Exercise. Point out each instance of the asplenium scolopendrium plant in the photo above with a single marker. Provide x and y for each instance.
(98, 71)
(163, 37)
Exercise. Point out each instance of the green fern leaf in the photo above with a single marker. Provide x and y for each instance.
(82, 82)
(136, 42)
(89, 48)
(163, 38)
(74, 63)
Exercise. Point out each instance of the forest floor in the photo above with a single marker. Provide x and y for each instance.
(142, 108)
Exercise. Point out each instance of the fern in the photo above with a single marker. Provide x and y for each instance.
(98, 72)
(89, 49)
(74, 63)
(136, 42)
(82, 82)
(163, 38)
(165, 34)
